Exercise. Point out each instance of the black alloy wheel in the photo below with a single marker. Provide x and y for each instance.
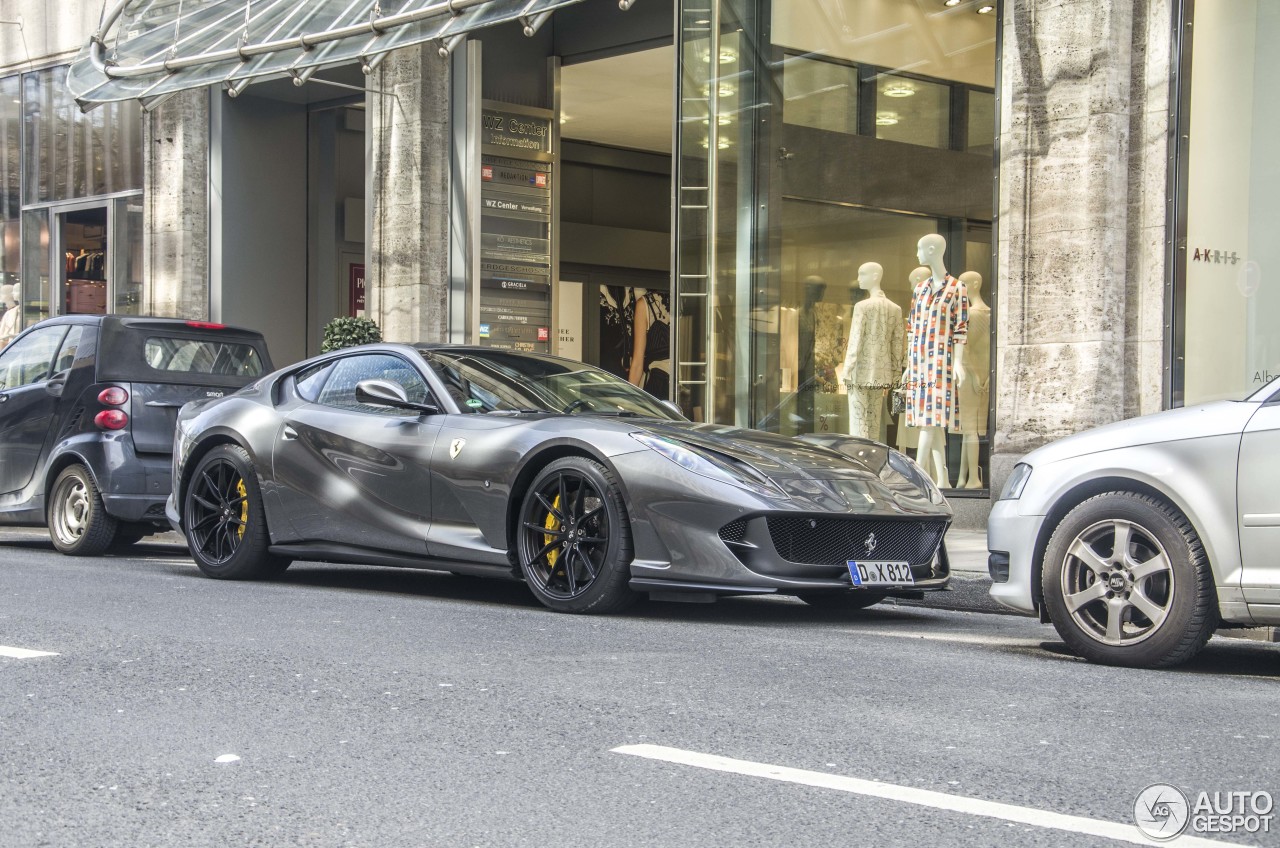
(224, 520)
(574, 540)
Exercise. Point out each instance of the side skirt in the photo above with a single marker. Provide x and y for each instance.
(362, 556)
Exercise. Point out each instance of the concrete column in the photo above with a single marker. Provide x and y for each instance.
(1083, 142)
(408, 275)
(175, 242)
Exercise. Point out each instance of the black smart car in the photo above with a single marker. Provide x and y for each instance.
(87, 411)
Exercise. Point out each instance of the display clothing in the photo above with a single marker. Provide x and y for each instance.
(874, 354)
(657, 347)
(939, 321)
(975, 394)
(866, 412)
(9, 325)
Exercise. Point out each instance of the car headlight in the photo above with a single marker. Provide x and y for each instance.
(1016, 483)
(909, 469)
(707, 463)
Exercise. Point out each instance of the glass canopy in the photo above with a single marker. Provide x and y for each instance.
(149, 49)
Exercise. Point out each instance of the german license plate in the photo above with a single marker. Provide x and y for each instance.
(880, 573)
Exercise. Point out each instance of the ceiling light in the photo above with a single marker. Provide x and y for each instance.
(886, 119)
(724, 90)
(983, 10)
(898, 89)
(722, 144)
(565, 118)
(723, 120)
(952, 3)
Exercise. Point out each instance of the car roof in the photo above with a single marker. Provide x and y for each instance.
(145, 322)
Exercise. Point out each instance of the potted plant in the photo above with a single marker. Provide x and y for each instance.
(349, 332)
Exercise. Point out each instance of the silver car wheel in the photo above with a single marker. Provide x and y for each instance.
(71, 513)
(1117, 582)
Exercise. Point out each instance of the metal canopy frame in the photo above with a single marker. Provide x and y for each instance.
(149, 50)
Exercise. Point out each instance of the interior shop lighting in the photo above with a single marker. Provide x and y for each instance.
(952, 3)
(986, 10)
(722, 144)
(886, 119)
(899, 89)
(724, 90)
(723, 120)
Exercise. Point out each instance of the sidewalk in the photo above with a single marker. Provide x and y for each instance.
(968, 551)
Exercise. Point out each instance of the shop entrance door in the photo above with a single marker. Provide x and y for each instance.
(96, 258)
(81, 260)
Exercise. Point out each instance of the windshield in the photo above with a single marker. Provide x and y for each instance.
(496, 381)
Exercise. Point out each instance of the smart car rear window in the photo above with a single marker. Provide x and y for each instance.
(202, 356)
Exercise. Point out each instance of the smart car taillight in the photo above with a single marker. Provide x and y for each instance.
(113, 396)
(111, 419)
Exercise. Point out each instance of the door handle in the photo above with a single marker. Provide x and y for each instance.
(288, 434)
(3, 398)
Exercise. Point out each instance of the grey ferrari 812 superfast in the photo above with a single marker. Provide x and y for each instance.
(518, 465)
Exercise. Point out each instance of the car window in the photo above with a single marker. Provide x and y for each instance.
(308, 381)
(70, 349)
(340, 388)
(202, 356)
(28, 359)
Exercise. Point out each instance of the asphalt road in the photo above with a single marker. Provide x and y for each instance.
(376, 707)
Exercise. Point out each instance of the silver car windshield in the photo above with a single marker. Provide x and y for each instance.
(498, 381)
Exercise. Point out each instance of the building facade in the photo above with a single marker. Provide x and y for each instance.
(722, 201)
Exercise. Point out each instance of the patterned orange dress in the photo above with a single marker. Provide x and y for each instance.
(938, 321)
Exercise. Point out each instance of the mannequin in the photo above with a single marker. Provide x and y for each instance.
(9, 321)
(975, 392)
(874, 355)
(935, 362)
(908, 436)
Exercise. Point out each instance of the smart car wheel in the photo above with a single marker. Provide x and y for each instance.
(78, 521)
(1126, 582)
(574, 540)
(852, 600)
(223, 517)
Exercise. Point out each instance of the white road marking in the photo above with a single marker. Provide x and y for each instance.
(23, 653)
(960, 638)
(910, 795)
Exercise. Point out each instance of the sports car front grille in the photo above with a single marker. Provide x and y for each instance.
(835, 541)
(734, 531)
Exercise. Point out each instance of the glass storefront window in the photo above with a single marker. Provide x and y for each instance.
(1229, 309)
(857, 130)
(913, 111)
(10, 177)
(70, 154)
(820, 94)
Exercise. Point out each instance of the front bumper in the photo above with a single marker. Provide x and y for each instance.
(1013, 534)
(696, 535)
(171, 512)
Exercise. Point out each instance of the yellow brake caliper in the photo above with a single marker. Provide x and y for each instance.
(244, 507)
(552, 523)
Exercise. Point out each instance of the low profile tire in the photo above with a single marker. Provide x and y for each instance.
(78, 520)
(224, 521)
(1126, 582)
(574, 538)
(852, 600)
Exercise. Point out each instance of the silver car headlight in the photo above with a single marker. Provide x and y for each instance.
(708, 463)
(1016, 483)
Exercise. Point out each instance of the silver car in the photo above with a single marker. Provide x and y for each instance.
(1138, 539)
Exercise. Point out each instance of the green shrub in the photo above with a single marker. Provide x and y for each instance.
(349, 332)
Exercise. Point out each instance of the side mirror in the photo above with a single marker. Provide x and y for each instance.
(389, 394)
(673, 406)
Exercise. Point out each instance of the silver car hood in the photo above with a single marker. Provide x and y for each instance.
(1193, 422)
